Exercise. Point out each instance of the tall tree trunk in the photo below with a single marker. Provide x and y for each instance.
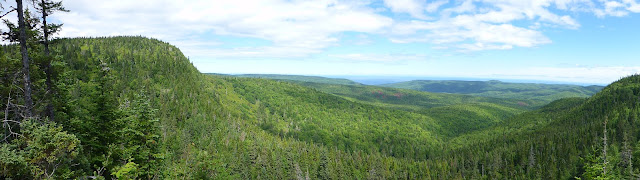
(45, 28)
(604, 147)
(25, 61)
(47, 66)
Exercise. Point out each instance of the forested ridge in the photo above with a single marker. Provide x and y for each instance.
(594, 138)
(133, 107)
(531, 91)
(298, 78)
(456, 114)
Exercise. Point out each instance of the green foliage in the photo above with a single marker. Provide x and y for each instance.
(138, 138)
(549, 143)
(12, 164)
(411, 99)
(160, 118)
(90, 103)
(93, 111)
(594, 166)
(49, 7)
(32, 32)
(453, 114)
(42, 151)
(289, 110)
(128, 171)
(541, 92)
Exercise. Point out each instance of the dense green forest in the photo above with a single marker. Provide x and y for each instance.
(498, 89)
(132, 107)
(136, 108)
(202, 126)
(456, 114)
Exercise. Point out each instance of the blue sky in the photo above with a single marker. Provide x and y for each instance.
(582, 41)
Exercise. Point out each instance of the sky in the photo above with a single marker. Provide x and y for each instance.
(580, 41)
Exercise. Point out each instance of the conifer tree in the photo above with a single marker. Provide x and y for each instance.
(48, 7)
(28, 102)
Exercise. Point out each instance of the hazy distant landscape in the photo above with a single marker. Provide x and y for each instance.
(380, 89)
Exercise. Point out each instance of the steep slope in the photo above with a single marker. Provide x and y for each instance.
(563, 140)
(498, 89)
(209, 129)
(227, 127)
(289, 110)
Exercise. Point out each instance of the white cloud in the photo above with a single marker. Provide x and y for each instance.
(487, 24)
(589, 75)
(612, 8)
(463, 28)
(415, 8)
(379, 57)
(633, 6)
(616, 8)
(435, 5)
(295, 28)
(299, 28)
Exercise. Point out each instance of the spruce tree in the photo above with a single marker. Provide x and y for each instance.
(46, 8)
(28, 101)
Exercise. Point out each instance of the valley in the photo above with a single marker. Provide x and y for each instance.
(280, 89)
(221, 126)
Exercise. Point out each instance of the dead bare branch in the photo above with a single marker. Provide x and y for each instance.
(12, 9)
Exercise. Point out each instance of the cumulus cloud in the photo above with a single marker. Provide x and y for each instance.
(296, 28)
(612, 8)
(474, 25)
(469, 28)
(435, 5)
(601, 75)
(463, 28)
(632, 6)
(379, 57)
(299, 28)
(413, 7)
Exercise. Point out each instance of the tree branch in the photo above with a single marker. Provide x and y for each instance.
(12, 9)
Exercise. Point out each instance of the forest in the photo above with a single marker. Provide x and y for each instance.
(494, 88)
(131, 107)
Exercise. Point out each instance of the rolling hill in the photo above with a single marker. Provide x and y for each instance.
(498, 89)
(299, 78)
(456, 114)
(214, 127)
(563, 140)
(145, 96)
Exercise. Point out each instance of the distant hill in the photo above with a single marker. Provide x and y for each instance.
(568, 138)
(498, 89)
(314, 79)
(455, 113)
(226, 127)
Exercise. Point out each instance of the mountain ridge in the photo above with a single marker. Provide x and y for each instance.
(225, 127)
(494, 88)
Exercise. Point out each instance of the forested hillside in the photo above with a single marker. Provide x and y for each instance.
(298, 78)
(498, 89)
(596, 138)
(205, 129)
(132, 107)
(456, 114)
